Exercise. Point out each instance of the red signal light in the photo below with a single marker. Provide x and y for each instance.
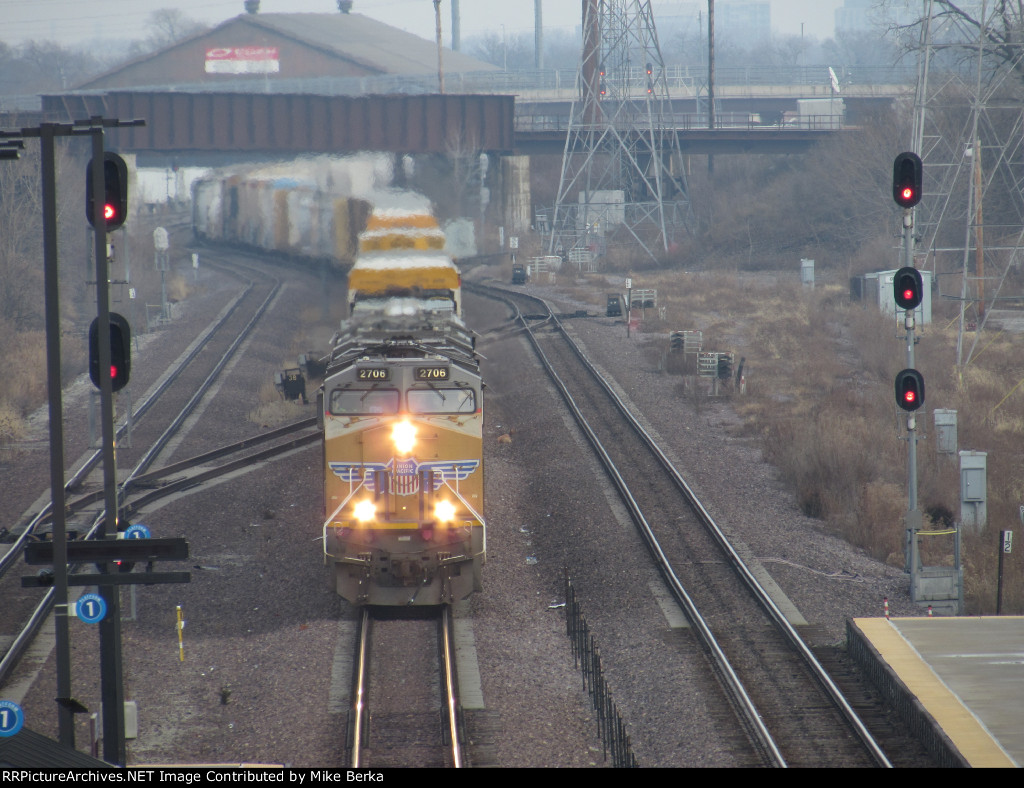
(907, 180)
(908, 288)
(909, 390)
(115, 191)
(120, 352)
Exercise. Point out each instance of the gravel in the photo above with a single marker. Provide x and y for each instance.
(266, 644)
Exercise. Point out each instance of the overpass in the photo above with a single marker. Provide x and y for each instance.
(500, 112)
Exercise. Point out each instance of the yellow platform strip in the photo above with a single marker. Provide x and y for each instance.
(971, 738)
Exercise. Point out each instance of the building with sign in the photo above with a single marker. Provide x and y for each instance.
(297, 53)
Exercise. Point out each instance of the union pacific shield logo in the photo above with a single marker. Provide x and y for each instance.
(404, 475)
(405, 480)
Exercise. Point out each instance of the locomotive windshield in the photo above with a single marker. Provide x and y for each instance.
(362, 402)
(438, 400)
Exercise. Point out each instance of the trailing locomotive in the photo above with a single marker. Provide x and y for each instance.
(401, 409)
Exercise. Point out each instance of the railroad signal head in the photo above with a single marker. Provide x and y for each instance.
(907, 288)
(120, 352)
(115, 191)
(909, 389)
(906, 180)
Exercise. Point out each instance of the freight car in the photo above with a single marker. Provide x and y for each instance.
(313, 209)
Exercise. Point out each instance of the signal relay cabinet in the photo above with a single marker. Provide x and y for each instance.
(614, 308)
(518, 274)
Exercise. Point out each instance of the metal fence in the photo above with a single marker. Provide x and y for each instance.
(682, 81)
(587, 656)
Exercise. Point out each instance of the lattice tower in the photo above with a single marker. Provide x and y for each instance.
(972, 153)
(622, 174)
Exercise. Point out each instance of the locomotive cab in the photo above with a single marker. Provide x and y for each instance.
(403, 478)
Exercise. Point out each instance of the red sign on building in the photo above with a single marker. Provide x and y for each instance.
(242, 60)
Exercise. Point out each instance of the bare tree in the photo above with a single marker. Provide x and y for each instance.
(167, 26)
(20, 243)
(39, 66)
(170, 25)
(958, 27)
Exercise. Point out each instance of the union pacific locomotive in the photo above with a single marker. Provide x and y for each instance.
(401, 408)
(401, 404)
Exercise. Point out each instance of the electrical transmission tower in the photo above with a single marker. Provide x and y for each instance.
(622, 173)
(971, 222)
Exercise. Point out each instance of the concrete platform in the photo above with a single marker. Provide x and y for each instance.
(959, 682)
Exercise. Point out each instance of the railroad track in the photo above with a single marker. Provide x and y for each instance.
(785, 702)
(159, 418)
(405, 711)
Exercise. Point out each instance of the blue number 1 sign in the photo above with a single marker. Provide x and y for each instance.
(91, 608)
(11, 718)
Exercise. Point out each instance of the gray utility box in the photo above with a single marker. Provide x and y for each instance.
(807, 272)
(945, 431)
(973, 489)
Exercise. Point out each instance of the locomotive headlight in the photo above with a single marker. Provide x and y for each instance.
(365, 511)
(404, 436)
(444, 511)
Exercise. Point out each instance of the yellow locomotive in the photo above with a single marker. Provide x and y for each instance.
(402, 417)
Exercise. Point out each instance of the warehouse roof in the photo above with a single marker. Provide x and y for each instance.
(277, 47)
(376, 45)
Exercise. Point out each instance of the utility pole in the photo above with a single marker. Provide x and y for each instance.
(711, 78)
(440, 47)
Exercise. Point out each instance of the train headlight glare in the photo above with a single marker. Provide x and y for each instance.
(365, 511)
(444, 511)
(404, 436)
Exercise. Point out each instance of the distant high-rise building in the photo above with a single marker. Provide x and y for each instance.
(739, 22)
(870, 15)
(744, 23)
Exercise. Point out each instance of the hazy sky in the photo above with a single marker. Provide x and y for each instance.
(73, 21)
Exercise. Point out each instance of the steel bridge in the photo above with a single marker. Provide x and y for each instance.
(503, 113)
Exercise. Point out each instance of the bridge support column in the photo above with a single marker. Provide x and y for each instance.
(516, 203)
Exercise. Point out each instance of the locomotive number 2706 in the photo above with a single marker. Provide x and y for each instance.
(431, 373)
(374, 373)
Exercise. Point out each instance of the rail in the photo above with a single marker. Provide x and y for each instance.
(359, 713)
(730, 680)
